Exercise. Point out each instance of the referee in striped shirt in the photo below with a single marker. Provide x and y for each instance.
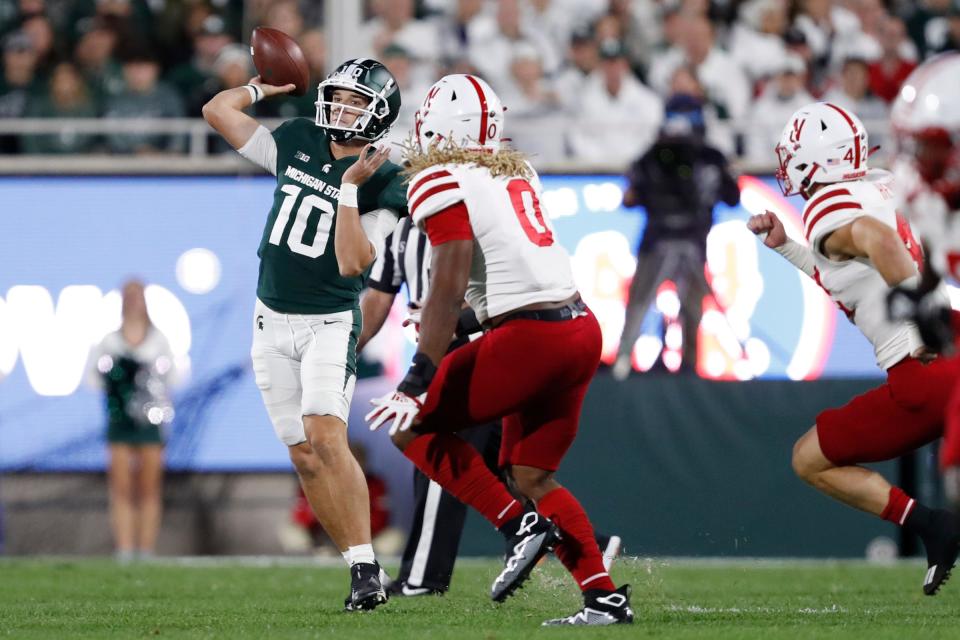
(438, 518)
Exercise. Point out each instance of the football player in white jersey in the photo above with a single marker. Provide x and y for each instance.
(859, 248)
(494, 246)
(926, 121)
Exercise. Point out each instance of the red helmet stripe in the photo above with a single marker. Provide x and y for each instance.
(856, 133)
(483, 108)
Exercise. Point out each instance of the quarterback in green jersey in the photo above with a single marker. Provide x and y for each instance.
(337, 198)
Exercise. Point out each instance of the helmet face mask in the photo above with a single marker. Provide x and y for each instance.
(331, 112)
(782, 175)
(369, 79)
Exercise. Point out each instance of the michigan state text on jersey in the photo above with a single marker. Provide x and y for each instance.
(336, 199)
(298, 268)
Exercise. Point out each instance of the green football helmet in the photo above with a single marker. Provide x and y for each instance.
(371, 79)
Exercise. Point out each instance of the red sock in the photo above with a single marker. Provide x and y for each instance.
(898, 506)
(577, 550)
(456, 466)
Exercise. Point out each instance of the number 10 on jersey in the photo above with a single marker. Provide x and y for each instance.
(297, 232)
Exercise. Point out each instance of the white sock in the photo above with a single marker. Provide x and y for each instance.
(346, 556)
(360, 553)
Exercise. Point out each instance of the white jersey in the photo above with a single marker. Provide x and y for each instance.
(855, 285)
(938, 228)
(517, 260)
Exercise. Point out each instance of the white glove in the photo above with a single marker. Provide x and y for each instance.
(396, 406)
(413, 315)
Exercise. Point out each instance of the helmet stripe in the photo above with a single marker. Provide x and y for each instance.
(856, 133)
(483, 108)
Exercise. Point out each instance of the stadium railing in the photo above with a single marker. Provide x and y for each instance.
(196, 158)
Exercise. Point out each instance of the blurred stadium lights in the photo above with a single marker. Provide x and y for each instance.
(59, 285)
(560, 203)
(602, 196)
(198, 270)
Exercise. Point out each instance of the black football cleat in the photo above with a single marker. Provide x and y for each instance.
(942, 543)
(366, 590)
(600, 608)
(533, 537)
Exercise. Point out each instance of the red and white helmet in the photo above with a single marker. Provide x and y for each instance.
(926, 121)
(822, 143)
(462, 109)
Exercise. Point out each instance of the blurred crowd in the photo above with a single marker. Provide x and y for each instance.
(583, 80)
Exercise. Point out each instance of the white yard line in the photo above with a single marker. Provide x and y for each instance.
(750, 610)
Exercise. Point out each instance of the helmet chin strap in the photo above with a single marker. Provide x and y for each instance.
(806, 187)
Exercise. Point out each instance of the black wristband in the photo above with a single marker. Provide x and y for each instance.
(467, 324)
(419, 376)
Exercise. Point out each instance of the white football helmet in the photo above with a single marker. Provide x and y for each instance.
(926, 122)
(822, 143)
(462, 109)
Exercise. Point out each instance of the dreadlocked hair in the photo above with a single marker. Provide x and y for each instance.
(506, 162)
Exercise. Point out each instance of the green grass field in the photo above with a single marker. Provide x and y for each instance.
(671, 599)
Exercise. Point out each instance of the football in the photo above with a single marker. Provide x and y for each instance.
(279, 60)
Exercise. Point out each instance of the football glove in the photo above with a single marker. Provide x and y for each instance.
(396, 406)
(403, 405)
(413, 315)
(928, 311)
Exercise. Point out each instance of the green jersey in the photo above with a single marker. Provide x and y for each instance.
(298, 265)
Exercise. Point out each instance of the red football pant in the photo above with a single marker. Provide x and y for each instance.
(534, 375)
(899, 416)
(531, 373)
